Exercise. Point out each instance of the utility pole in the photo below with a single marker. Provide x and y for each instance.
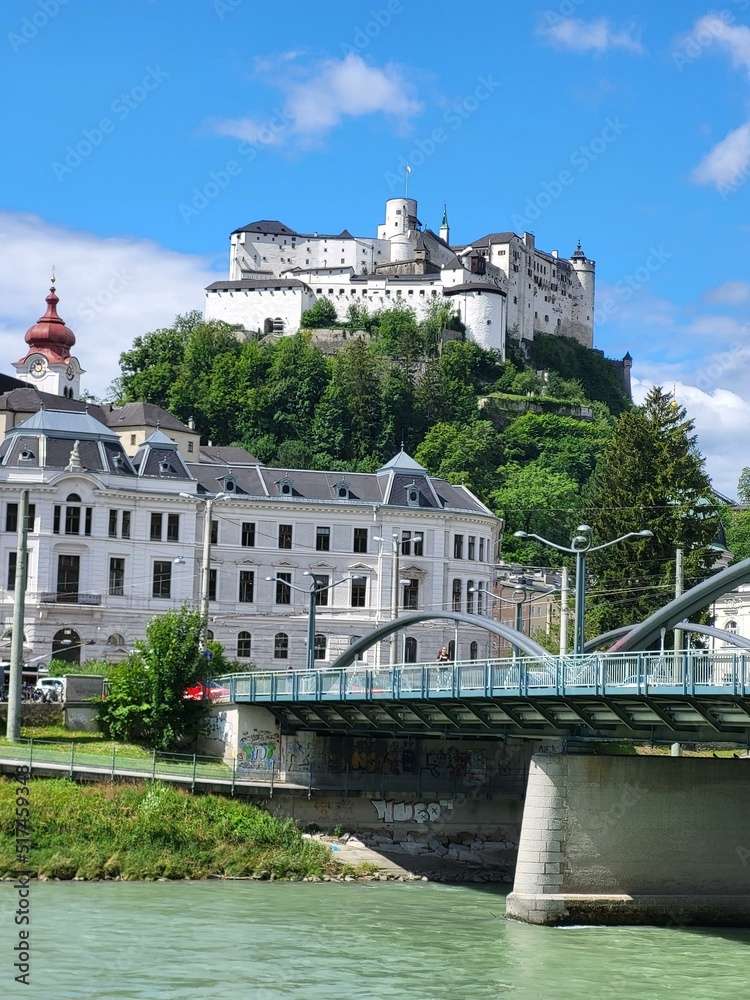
(564, 594)
(679, 586)
(19, 608)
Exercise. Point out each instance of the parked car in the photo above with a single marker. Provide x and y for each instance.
(214, 692)
(49, 689)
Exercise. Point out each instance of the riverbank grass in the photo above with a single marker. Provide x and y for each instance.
(152, 831)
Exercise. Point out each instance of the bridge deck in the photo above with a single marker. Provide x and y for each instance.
(693, 696)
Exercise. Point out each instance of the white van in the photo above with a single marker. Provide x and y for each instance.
(52, 688)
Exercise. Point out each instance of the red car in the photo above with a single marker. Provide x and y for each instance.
(213, 692)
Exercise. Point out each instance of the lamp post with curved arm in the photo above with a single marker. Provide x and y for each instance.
(520, 595)
(313, 590)
(208, 503)
(581, 544)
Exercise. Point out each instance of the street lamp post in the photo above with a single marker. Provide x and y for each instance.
(208, 504)
(396, 582)
(312, 591)
(580, 546)
(519, 598)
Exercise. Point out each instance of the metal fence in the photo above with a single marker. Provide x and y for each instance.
(592, 673)
(490, 780)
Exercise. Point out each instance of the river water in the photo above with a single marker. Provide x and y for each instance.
(363, 941)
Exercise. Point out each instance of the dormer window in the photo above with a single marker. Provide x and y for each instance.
(25, 455)
(285, 486)
(166, 468)
(230, 485)
(412, 495)
(341, 490)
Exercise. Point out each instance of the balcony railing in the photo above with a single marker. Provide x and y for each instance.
(64, 597)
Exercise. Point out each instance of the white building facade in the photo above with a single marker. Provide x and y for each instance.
(501, 282)
(117, 529)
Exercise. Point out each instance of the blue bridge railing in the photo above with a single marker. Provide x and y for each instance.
(599, 674)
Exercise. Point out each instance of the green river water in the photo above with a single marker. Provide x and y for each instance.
(364, 941)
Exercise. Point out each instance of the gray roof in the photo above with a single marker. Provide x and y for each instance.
(139, 415)
(388, 486)
(272, 227)
(474, 286)
(485, 241)
(251, 283)
(402, 462)
(230, 456)
(64, 424)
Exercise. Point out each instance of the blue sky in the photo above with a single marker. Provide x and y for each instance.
(139, 135)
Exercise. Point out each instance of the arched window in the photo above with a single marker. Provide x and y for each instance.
(470, 597)
(358, 656)
(244, 646)
(320, 647)
(116, 639)
(72, 514)
(473, 651)
(410, 649)
(278, 324)
(480, 599)
(209, 635)
(731, 626)
(456, 601)
(452, 650)
(281, 646)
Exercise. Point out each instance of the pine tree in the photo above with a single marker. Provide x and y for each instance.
(650, 475)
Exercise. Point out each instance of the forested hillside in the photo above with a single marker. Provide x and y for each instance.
(545, 452)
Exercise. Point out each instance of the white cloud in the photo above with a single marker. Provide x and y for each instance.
(728, 163)
(590, 36)
(713, 29)
(111, 290)
(729, 293)
(320, 98)
(721, 421)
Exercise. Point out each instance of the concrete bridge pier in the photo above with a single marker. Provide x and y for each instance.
(634, 840)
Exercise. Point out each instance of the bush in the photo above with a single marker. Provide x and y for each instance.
(322, 314)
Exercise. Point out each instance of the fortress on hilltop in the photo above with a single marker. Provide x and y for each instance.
(496, 284)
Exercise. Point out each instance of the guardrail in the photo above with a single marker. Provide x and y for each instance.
(488, 781)
(686, 674)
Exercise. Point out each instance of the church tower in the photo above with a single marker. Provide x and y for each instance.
(48, 364)
(445, 229)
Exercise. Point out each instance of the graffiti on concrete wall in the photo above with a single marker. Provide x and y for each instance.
(379, 756)
(458, 762)
(298, 751)
(221, 727)
(389, 811)
(257, 751)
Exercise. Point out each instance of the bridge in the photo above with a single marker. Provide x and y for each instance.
(694, 696)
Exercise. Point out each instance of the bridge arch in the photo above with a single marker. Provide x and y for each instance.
(517, 639)
(731, 638)
(682, 607)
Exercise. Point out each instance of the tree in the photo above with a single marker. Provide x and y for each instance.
(150, 368)
(398, 333)
(651, 475)
(323, 314)
(537, 501)
(743, 486)
(145, 703)
(461, 453)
